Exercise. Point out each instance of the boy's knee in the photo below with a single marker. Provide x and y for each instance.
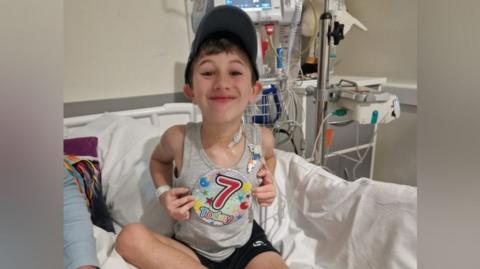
(129, 237)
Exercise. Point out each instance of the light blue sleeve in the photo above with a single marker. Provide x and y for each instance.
(79, 247)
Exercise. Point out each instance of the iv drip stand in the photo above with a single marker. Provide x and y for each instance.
(322, 83)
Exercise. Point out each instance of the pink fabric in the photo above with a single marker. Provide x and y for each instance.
(81, 146)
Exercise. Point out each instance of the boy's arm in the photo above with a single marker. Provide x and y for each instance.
(161, 161)
(170, 149)
(266, 192)
(268, 142)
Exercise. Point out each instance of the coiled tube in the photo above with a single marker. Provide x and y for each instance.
(294, 51)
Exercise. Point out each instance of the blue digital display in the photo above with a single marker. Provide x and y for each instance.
(251, 4)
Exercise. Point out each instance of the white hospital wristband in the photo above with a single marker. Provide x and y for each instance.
(160, 190)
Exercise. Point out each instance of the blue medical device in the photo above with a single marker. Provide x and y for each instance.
(267, 115)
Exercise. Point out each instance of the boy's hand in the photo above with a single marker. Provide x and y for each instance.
(177, 203)
(266, 192)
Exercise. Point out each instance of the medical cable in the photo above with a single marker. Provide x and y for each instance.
(290, 122)
(263, 210)
(294, 52)
(319, 135)
(365, 153)
(290, 99)
(368, 149)
(270, 43)
(338, 112)
(361, 157)
(291, 104)
(281, 209)
(357, 139)
(341, 123)
(283, 200)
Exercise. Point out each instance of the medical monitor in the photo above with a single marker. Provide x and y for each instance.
(258, 10)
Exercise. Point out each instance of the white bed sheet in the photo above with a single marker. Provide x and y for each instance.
(342, 224)
(318, 221)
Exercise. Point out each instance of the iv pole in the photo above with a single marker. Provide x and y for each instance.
(322, 83)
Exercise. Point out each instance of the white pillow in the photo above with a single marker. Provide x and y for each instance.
(124, 148)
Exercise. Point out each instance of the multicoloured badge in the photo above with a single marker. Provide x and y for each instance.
(222, 197)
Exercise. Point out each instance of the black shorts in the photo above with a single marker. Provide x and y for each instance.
(257, 244)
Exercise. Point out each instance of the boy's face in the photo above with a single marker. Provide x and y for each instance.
(222, 86)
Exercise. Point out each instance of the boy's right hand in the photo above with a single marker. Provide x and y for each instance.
(177, 203)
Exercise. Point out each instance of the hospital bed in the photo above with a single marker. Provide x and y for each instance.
(318, 220)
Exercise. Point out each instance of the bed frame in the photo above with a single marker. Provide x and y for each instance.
(167, 115)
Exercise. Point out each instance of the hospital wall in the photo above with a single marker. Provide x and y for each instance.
(123, 48)
(125, 53)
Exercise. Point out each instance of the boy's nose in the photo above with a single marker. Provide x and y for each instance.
(223, 82)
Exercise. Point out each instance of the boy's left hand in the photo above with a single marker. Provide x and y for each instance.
(266, 192)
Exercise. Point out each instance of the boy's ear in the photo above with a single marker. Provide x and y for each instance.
(188, 91)
(256, 89)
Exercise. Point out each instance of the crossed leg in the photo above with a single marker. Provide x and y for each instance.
(145, 249)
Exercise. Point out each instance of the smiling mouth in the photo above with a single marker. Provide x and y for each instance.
(222, 98)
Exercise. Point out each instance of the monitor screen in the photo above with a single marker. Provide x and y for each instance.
(251, 5)
(258, 10)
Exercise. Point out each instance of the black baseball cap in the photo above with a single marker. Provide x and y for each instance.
(228, 22)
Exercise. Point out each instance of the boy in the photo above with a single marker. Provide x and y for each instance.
(216, 163)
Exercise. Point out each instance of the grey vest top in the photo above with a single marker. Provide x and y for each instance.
(219, 221)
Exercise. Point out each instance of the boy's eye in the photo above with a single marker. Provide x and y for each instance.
(235, 73)
(207, 73)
